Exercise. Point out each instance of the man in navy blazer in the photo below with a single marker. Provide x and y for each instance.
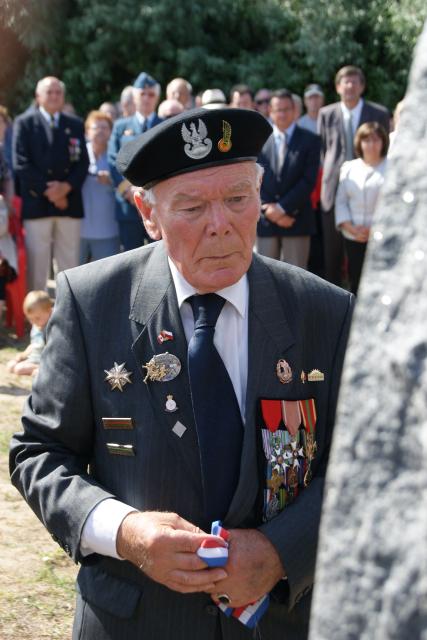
(290, 158)
(51, 163)
(146, 93)
(337, 125)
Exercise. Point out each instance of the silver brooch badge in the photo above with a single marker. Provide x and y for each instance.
(118, 376)
(198, 144)
(162, 368)
(284, 371)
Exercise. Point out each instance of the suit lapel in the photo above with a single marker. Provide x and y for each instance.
(155, 309)
(270, 338)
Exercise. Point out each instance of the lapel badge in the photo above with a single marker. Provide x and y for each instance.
(316, 376)
(283, 371)
(67, 131)
(162, 368)
(170, 405)
(164, 336)
(118, 376)
(303, 377)
(224, 144)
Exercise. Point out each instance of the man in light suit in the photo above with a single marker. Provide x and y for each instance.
(146, 93)
(51, 162)
(115, 465)
(290, 158)
(337, 126)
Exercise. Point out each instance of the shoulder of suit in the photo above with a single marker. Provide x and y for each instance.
(377, 107)
(309, 135)
(124, 123)
(330, 109)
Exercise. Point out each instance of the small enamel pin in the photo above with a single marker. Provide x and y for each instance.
(170, 405)
(284, 371)
(303, 377)
(118, 376)
(316, 376)
(164, 336)
(224, 144)
(162, 368)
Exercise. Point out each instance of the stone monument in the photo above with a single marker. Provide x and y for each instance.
(371, 578)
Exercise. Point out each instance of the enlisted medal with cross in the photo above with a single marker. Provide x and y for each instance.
(118, 376)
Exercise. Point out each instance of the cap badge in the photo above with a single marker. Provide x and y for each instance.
(198, 144)
(224, 144)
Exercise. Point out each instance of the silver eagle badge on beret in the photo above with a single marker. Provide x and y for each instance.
(198, 144)
(162, 368)
(117, 376)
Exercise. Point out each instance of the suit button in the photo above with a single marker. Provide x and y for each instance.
(211, 610)
(66, 171)
(50, 172)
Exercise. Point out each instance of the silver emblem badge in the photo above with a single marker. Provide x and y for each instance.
(118, 376)
(170, 405)
(198, 144)
(162, 368)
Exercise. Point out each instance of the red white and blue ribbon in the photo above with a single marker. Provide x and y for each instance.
(216, 555)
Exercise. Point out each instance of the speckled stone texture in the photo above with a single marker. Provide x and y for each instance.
(371, 581)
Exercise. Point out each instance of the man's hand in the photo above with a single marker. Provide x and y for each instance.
(104, 177)
(57, 191)
(253, 568)
(358, 232)
(163, 546)
(274, 213)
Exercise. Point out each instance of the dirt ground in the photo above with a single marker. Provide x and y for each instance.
(37, 577)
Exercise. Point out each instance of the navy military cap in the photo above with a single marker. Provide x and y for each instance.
(192, 140)
(144, 81)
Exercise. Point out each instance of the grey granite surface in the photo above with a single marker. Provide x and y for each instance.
(371, 580)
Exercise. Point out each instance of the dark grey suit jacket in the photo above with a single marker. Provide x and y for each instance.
(112, 311)
(331, 130)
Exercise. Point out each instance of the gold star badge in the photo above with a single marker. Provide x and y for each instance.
(118, 376)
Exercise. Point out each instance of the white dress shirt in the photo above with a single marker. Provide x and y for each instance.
(358, 190)
(231, 341)
(48, 117)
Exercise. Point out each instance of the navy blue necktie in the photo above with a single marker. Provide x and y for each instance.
(216, 410)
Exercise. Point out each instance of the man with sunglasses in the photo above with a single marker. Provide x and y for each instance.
(262, 102)
(146, 93)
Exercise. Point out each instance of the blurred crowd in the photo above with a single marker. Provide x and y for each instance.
(324, 166)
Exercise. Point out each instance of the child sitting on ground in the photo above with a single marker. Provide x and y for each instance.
(38, 309)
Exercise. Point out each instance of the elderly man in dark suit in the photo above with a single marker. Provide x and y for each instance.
(337, 126)
(50, 161)
(146, 93)
(207, 392)
(290, 158)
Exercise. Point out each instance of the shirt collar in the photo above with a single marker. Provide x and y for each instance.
(236, 294)
(47, 116)
(355, 112)
(141, 119)
(279, 134)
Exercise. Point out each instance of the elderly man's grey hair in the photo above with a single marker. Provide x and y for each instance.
(149, 196)
(43, 81)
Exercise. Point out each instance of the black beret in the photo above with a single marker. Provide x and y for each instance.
(192, 140)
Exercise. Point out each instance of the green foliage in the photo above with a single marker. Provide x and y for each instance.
(98, 46)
